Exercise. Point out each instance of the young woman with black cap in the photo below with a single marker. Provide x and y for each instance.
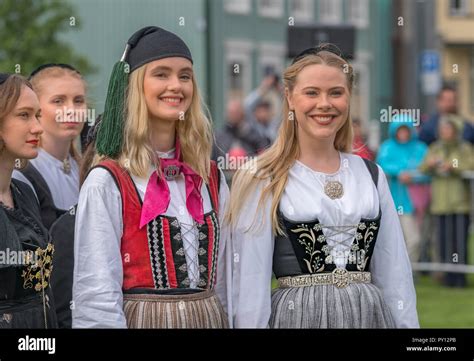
(148, 230)
(25, 248)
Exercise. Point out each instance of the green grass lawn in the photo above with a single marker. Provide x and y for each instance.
(443, 307)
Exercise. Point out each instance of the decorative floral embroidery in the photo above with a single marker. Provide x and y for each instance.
(307, 238)
(368, 238)
(38, 275)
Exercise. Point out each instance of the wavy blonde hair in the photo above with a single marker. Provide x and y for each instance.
(274, 164)
(194, 132)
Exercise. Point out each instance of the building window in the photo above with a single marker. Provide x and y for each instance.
(458, 7)
(270, 8)
(238, 6)
(238, 68)
(302, 10)
(271, 56)
(358, 13)
(330, 11)
(235, 70)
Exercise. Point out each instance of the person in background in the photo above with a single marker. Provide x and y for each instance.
(54, 174)
(237, 140)
(446, 104)
(259, 109)
(445, 161)
(399, 156)
(62, 235)
(360, 146)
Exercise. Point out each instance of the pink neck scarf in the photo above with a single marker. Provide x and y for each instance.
(157, 195)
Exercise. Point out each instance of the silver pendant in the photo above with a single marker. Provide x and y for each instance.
(334, 189)
(66, 167)
(171, 172)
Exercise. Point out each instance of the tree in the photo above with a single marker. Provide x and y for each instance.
(29, 32)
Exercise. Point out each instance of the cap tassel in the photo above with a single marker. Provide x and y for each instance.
(110, 133)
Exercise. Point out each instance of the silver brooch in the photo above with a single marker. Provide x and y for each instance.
(333, 189)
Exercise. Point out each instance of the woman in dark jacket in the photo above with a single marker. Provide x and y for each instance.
(25, 251)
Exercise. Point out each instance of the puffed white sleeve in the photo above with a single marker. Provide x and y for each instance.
(253, 243)
(224, 259)
(390, 266)
(98, 274)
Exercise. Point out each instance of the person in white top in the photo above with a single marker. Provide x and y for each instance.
(149, 237)
(319, 218)
(54, 174)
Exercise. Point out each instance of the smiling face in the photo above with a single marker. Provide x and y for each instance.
(63, 106)
(168, 88)
(320, 100)
(20, 129)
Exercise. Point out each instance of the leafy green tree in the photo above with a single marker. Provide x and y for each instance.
(29, 32)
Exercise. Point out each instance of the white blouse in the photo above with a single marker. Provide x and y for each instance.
(304, 200)
(98, 273)
(64, 187)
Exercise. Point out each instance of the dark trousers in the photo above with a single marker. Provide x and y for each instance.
(452, 242)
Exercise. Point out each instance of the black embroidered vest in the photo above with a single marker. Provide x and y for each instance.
(304, 248)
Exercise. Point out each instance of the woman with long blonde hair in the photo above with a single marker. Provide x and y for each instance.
(318, 217)
(148, 234)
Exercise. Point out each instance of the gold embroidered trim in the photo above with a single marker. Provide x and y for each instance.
(38, 274)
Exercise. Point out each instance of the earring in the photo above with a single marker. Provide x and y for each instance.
(291, 115)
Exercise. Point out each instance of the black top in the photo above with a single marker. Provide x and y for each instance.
(24, 242)
(62, 234)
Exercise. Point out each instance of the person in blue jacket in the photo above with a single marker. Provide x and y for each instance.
(399, 156)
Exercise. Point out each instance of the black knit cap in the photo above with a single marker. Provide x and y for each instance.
(153, 43)
(4, 77)
(144, 46)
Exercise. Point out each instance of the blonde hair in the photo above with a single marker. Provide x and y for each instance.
(274, 164)
(194, 132)
(37, 81)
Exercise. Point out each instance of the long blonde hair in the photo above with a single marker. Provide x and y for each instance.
(274, 164)
(38, 81)
(194, 132)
